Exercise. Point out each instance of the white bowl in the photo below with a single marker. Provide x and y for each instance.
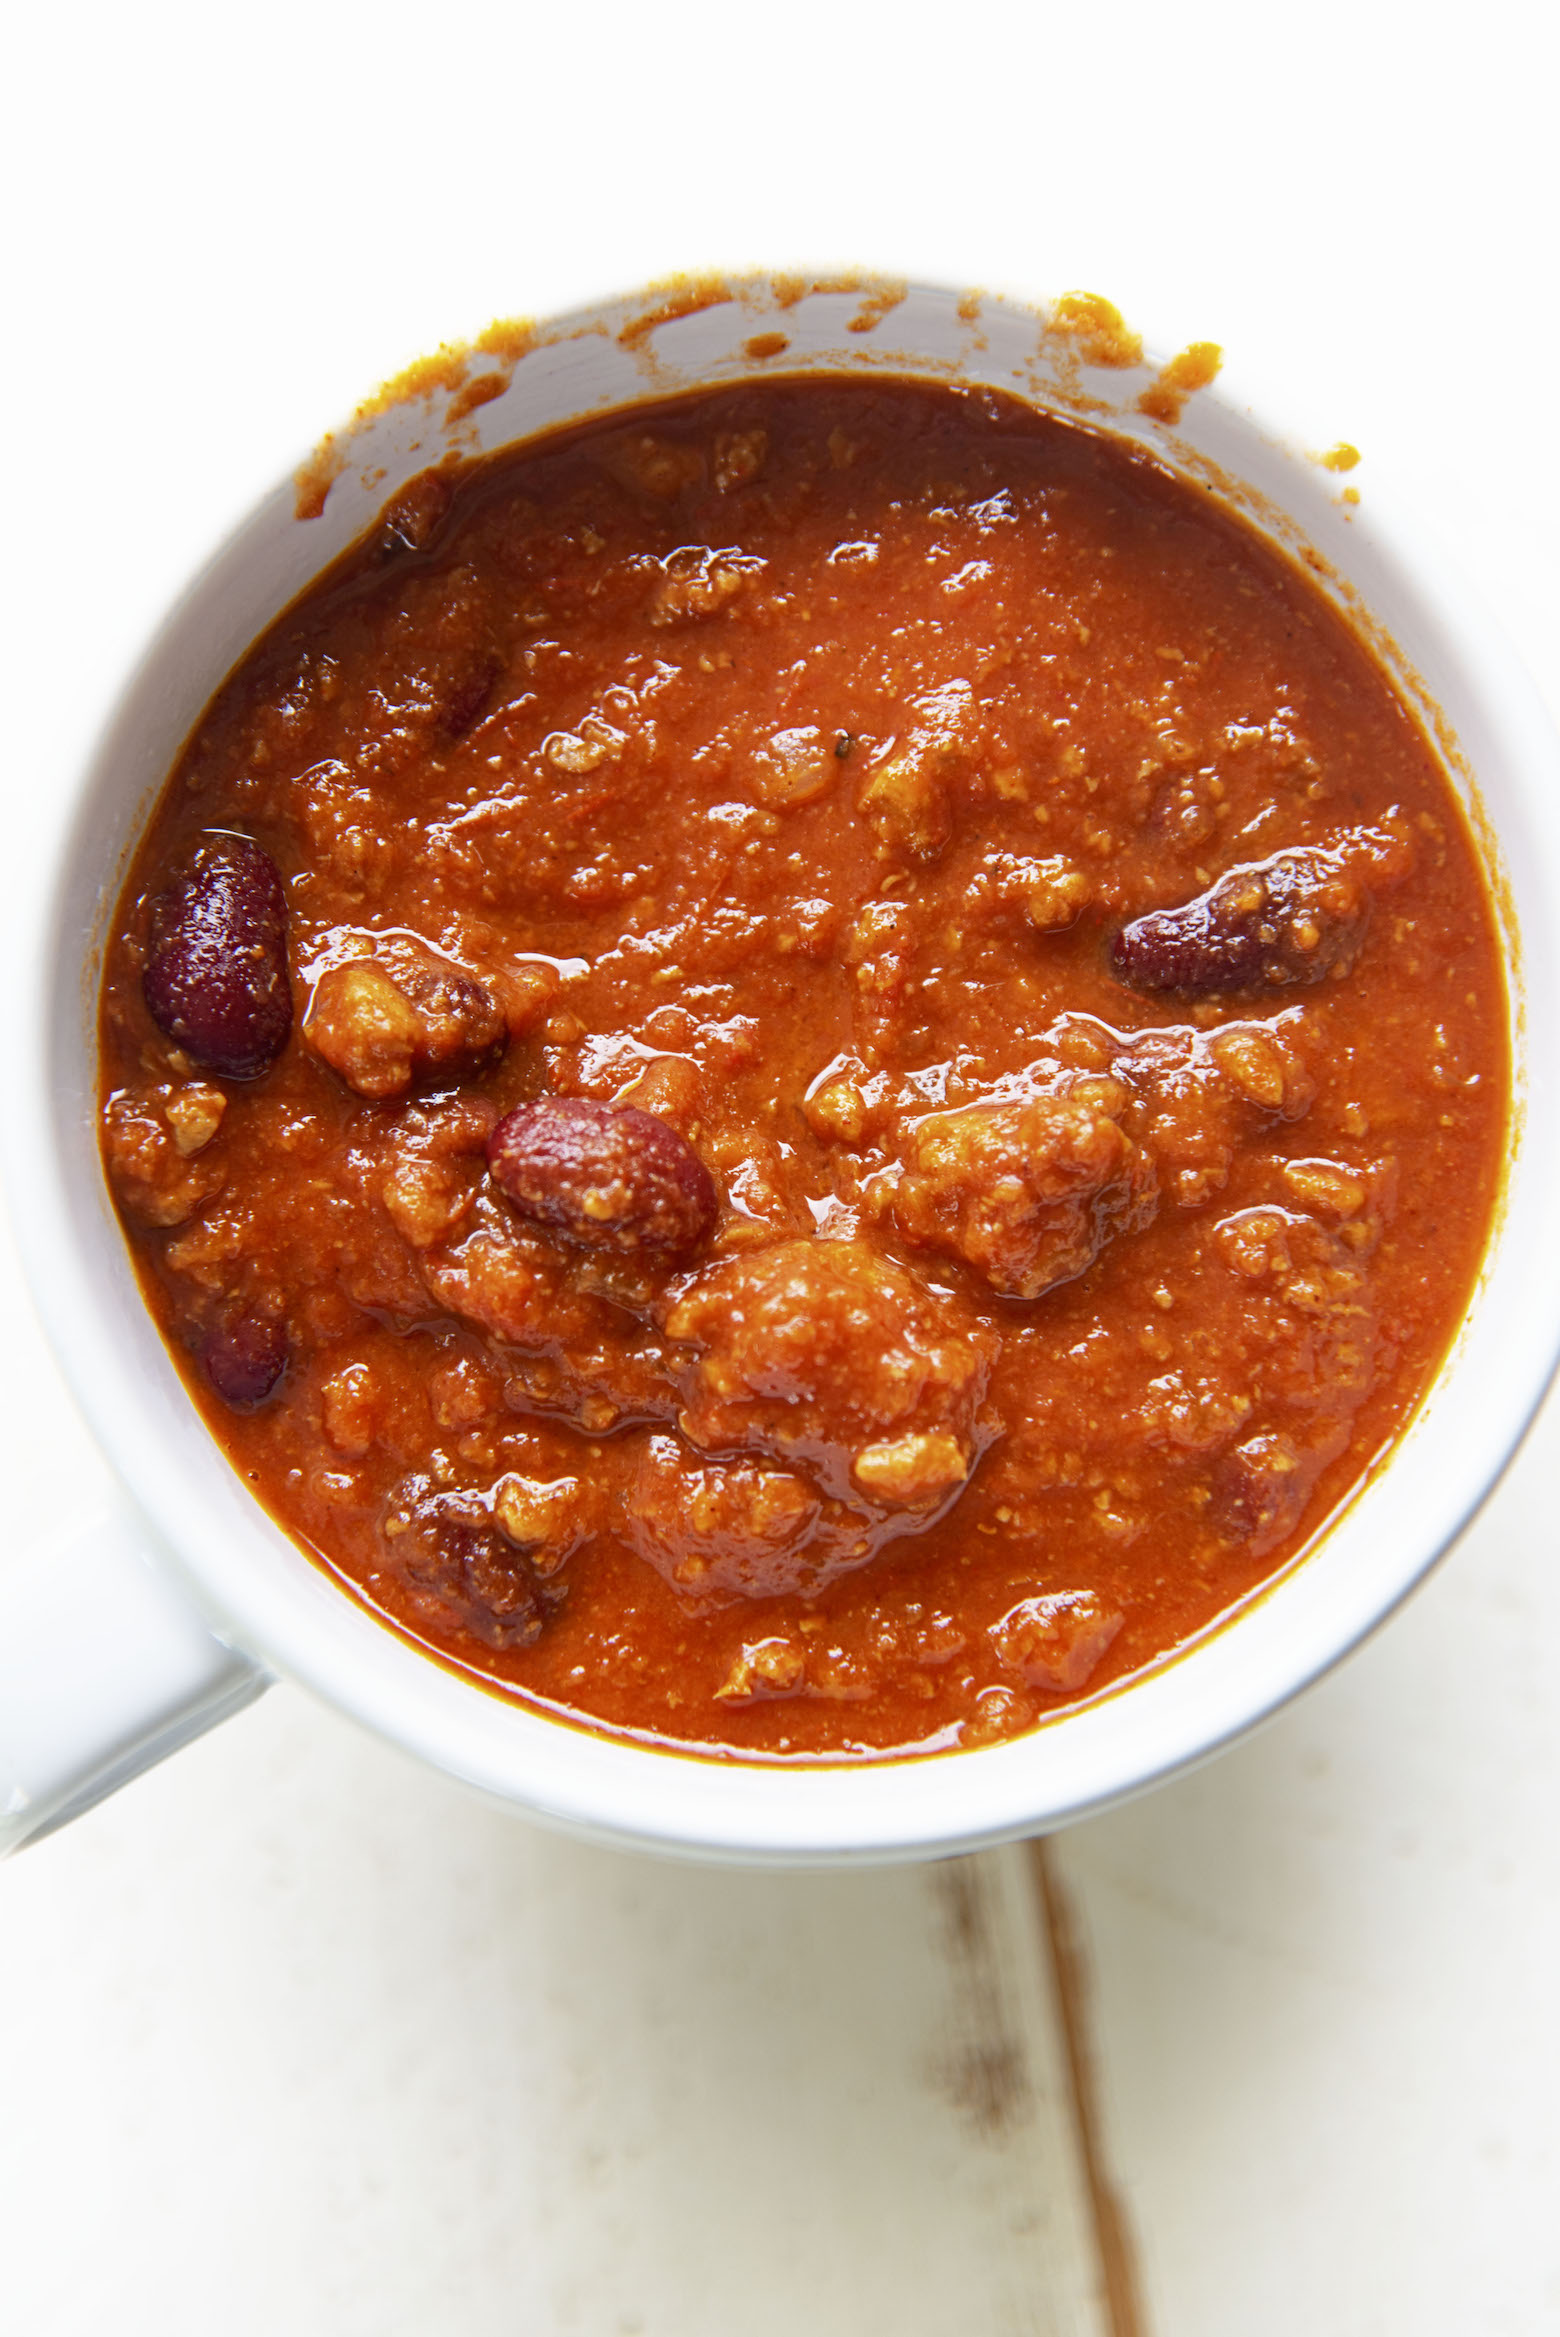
(281, 1612)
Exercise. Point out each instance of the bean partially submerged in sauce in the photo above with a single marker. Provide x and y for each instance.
(246, 1356)
(1296, 918)
(606, 1175)
(216, 970)
(459, 1558)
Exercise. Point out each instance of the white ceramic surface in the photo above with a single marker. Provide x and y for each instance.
(257, 1590)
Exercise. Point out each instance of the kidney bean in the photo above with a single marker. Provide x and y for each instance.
(504, 1608)
(216, 971)
(488, 1588)
(607, 1175)
(1293, 919)
(466, 693)
(245, 1359)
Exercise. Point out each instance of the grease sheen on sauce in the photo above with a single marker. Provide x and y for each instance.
(850, 792)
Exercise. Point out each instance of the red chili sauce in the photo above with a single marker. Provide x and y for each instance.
(809, 1071)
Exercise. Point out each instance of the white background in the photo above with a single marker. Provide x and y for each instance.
(292, 2036)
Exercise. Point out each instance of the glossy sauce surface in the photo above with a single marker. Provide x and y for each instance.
(896, 1079)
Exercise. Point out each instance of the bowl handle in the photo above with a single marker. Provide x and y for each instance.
(104, 1670)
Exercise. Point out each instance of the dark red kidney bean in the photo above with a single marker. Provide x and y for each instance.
(216, 970)
(608, 1175)
(505, 1608)
(489, 1590)
(245, 1359)
(466, 694)
(1296, 918)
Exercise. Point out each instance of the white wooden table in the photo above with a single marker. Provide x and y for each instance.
(297, 2036)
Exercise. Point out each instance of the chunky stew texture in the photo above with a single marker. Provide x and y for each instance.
(809, 1071)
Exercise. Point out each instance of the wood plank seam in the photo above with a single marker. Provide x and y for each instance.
(1119, 2270)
